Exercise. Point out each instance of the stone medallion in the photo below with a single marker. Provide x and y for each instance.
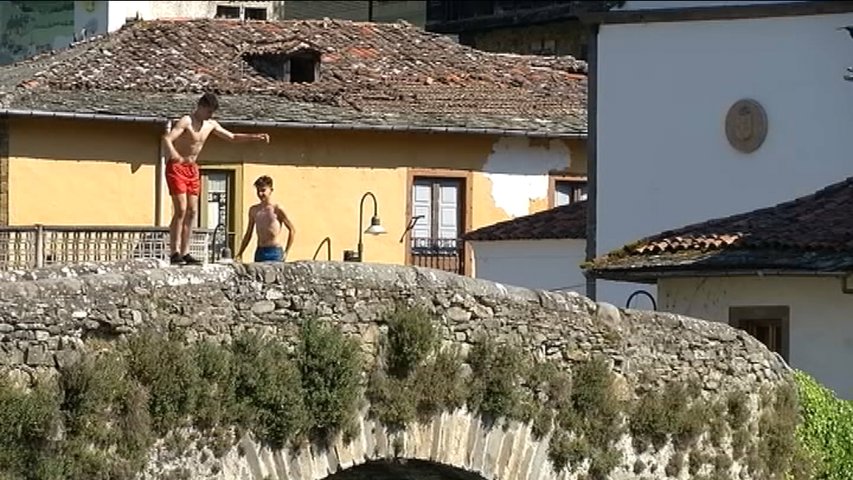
(746, 125)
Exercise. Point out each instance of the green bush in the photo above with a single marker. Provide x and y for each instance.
(269, 391)
(551, 392)
(411, 339)
(439, 385)
(330, 366)
(392, 401)
(596, 414)
(107, 426)
(497, 374)
(168, 370)
(216, 404)
(826, 431)
(420, 380)
(28, 421)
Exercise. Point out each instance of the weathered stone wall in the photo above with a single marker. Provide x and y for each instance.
(568, 37)
(47, 318)
(44, 322)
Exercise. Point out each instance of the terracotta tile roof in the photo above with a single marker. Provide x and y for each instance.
(810, 232)
(564, 222)
(374, 74)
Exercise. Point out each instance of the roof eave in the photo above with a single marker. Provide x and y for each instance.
(483, 240)
(652, 275)
(717, 12)
(10, 112)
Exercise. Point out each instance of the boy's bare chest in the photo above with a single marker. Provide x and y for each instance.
(265, 216)
(198, 133)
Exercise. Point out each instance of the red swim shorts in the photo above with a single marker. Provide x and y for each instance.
(182, 178)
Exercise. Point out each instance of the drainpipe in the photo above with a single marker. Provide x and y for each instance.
(160, 175)
(592, 159)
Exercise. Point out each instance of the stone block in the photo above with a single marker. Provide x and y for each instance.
(38, 356)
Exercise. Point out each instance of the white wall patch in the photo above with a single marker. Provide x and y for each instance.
(519, 172)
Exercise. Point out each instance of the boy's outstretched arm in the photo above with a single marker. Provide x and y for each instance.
(225, 134)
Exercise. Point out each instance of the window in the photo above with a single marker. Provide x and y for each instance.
(567, 190)
(437, 204)
(256, 13)
(768, 324)
(243, 13)
(225, 11)
(301, 66)
(543, 47)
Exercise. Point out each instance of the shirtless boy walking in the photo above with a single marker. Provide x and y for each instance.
(184, 143)
(268, 217)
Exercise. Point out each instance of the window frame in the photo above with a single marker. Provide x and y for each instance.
(555, 179)
(779, 316)
(465, 206)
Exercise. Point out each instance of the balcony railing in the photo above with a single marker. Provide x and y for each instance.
(446, 254)
(36, 246)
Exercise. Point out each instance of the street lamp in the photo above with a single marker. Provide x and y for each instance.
(375, 228)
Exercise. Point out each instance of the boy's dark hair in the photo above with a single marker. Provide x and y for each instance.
(264, 181)
(209, 100)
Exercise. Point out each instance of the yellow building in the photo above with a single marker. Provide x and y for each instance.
(455, 137)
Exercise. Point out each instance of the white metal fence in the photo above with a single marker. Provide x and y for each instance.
(36, 246)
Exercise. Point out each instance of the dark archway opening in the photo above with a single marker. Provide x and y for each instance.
(402, 469)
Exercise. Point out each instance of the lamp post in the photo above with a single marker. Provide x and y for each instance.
(375, 228)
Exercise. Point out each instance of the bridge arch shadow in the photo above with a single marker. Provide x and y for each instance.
(403, 469)
(455, 445)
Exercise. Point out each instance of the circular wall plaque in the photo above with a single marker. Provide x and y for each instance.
(746, 125)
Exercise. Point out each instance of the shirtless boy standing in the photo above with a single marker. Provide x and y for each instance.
(184, 143)
(268, 217)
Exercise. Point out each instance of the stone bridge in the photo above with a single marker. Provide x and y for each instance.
(47, 317)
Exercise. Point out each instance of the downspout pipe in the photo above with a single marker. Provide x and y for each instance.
(160, 176)
(592, 160)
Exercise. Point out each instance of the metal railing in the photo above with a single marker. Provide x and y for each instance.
(446, 254)
(36, 246)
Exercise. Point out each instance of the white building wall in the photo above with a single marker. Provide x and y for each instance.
(518, 172)
(120, 11)
(821, 317)
(538, 264)
(663, 93)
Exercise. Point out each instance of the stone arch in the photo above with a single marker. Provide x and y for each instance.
(459, 441)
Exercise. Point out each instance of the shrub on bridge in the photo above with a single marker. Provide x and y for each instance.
(268, 391)
(101, 415)
(413, 378)
(330, 368)
(411, 339)
(28, 423)
(167, 368)
(107, 422)
(587, 415)
(498, 373)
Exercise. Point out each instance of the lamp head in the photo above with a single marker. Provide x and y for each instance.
(375, 227)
